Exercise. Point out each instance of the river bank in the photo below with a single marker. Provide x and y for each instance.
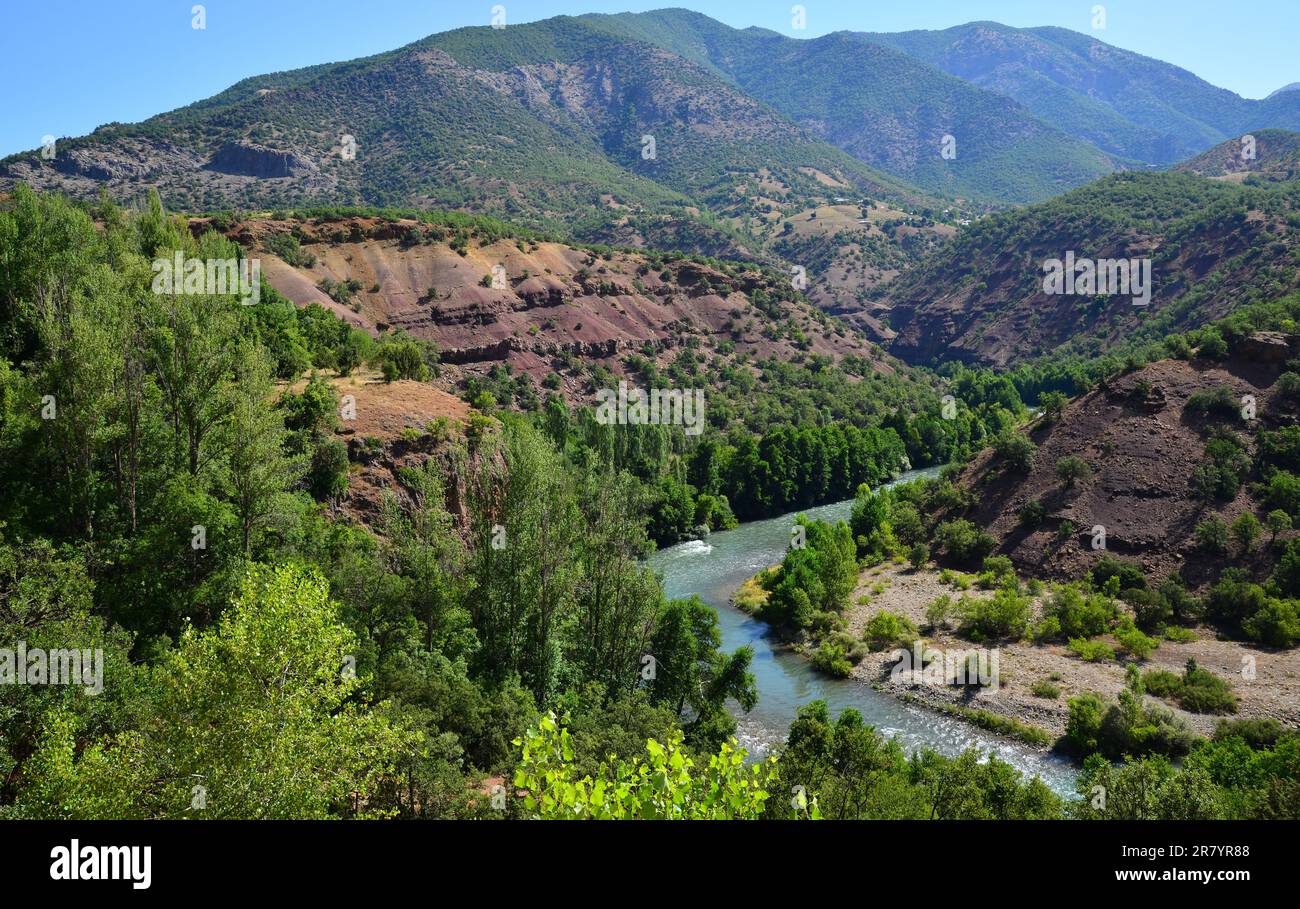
(1029, 673)
(716, 568)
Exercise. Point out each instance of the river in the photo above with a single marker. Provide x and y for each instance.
(786, 681)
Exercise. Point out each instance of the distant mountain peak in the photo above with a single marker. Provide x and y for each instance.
(1294, 86)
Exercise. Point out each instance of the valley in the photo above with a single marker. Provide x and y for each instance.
(994, 336)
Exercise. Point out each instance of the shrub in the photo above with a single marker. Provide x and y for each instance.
(831, 659)
(1083, 727)
(1212, 535)
(1205, 692)
(1032, 513)
(1258, 733)
(1276, 623)
(1045, 689)
(1072, 469)
(918, 556)
(1220, 402)
(1107, 567)
(1091, 651)
(939, 611)
(1196, 690)
(886, 630)
(1246, 531)
(1162, 683)
(963, 542)
(1283, 493)
(1081, 616)
(1016, 451)
(1234, 600)
(1004, 615)
(1135, 642)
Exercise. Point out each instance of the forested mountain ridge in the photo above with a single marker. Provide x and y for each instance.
(885, 108)
(1128, 105)
(1212, 246)
(551, 125)
(1262, 157)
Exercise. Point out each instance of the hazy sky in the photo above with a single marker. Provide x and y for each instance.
(68, 66)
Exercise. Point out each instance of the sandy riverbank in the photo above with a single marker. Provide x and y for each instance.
(1273, 692)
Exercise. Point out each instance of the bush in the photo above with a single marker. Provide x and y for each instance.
(1016, 451)
(1283, 493)
(831, 659)
(1162, 683)
(1083, 728)
(1135, 642)
(1004, 615)
(1129, 727)
(1276, 623)
(886, 630)
(1045, 689)
(1220, 402)
(963, 542)
(1196, 690)
(1032, 513)
(1071, 470)
(1080, 615)
(1107, 567)
(918, 556)
(1205, 692)
(1091, 651)
(1258, 733)
(939, 611)
(1212, 535)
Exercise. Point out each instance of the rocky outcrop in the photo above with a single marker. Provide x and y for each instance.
(1268, 347)
(245, 159)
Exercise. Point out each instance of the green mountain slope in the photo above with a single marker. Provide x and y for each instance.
(541, 123)
(1127, 104)
(885, 108)
(1266, 156)
(1213, 246)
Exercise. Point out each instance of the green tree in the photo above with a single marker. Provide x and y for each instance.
(260, 712)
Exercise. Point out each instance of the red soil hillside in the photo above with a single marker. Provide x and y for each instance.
(556, 300)
(1142, 444)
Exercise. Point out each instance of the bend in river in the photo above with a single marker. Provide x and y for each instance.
(786, 681)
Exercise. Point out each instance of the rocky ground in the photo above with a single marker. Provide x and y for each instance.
(1272, 693)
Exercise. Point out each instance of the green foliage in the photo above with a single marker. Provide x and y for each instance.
(849, 771)
(1091, 651)
(1128, 727)
(304, 746)
(1071, 470)
(666, 784)
(1045, 689)
(1006, 614)
(963, 543)
(817, 577)
(886, 630)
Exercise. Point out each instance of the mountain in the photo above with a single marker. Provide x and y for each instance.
(1267, 155)
(1126, 104)
(548, 124)
(1294, 86)
(1212, 246)
(884, 107)
(1144, 438)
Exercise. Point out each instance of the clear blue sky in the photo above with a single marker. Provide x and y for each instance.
(69, 65)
